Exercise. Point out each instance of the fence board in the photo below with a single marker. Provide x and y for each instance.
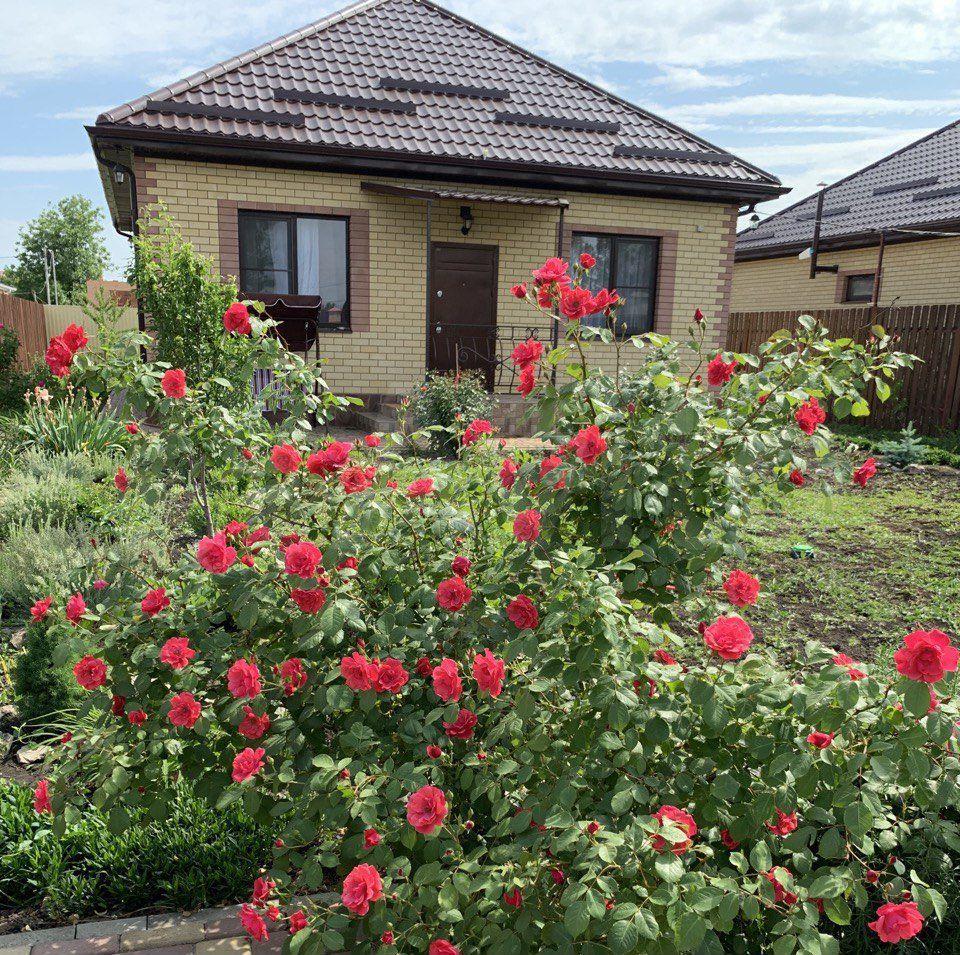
(26, 320)
(928, 395)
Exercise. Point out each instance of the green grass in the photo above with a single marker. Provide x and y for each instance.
(885, 562)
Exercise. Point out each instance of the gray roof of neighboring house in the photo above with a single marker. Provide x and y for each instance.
(407, 78)
(916, 186)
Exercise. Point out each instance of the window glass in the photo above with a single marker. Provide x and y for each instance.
(628, 265)
(264, 255)
(859, 288)
(322, 261)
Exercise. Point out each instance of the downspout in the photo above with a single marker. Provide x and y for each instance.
(429, 280)
(878, 278)
(555, 329)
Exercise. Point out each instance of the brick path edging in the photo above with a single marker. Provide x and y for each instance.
(207, 932)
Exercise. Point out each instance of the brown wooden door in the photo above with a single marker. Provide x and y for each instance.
(463, 307)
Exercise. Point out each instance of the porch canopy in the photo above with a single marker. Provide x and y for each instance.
(429, 196)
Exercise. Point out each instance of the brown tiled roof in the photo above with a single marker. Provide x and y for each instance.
(916, 186)
(407, 78)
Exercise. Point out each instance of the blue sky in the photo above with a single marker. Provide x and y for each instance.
(808, 90)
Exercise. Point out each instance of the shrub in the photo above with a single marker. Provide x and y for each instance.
(460, 695)
(195, 857)
(70, 425)
(444, 403)
(43, 688)
(184, 298)
(13, 383)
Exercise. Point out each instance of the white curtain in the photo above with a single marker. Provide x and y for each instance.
(308, 256)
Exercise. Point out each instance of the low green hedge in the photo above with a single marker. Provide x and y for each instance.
(194, 858)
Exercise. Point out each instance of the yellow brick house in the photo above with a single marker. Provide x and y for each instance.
(382, 177)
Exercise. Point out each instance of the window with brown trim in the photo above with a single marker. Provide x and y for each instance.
(297, 261)
(628, 264)
(858, 288)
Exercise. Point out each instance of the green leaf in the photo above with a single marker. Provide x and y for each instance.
(669, 867)
(837, 910)
(917, 698)
(760, 857)
(623, 936)
(687, 419)
(647, 925)
(690, 931)
(577, 918)
(858, 819)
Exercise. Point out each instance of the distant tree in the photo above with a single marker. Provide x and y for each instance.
(73, 229)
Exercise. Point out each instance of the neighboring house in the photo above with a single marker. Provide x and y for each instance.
(6, 289)
(910, 200)
(382, 177)
(121, 292)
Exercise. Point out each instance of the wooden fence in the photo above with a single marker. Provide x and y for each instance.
(928, 395)
(26, 319)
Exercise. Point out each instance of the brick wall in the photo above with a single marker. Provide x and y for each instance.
(384, 354)
(918, 273)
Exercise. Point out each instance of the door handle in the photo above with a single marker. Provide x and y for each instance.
(439, 293)
(438, 329)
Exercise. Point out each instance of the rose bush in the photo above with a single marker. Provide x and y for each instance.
(460, 697)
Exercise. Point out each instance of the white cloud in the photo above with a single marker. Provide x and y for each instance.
(787, 105)
(690, 78)
(85, 114)
(175, 72)
(66, 162)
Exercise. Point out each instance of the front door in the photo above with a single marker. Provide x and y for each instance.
(463, 307)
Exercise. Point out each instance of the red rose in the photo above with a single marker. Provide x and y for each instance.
(137, 717)
(488, 671)
(842, 660)
(247, 763)
(461, 566)
(118, 705)
(667, 659)
(358, 672)
(796, 477)
(257, 536)
(59, 356)
(329, 459)
(446, 680)
(820, 740)
(253, 923)
(678, 819)
(235, 528)
(371, 838)
(75, 337)
(386, 938)
(527, 352)
(215, 555)
(247, 453)
(553, 270)
(297, 922)
(441, 946)
(362, 886)
(729, 637)
(243, 679)
(518, 291)
(424, 667)
(301, 559)
(809, 415)
(100, 584)
(462, 726)
(522, 613)
(728, 840)
(155, 601)
(293, 675)
(587, 261)
(174, 383)
(391, 676)
(120, 481)
(253, 726)
(76, 608)
(575, 302)
(184, 710)
(588, 444)
(741, 588)
(237, 319)
(785, 824)
(475, 430)
(603, 301)
(372, 441)
(354, 480)
(453, 594)
(420, 488)
(926, 655)
(262, 890)
(526, 526)
(508, 473)
(527, 380)
(558, 877)
(719, 372)
(177, 652)
(41, 798)
(780, 894)
(285, 458)
(698, 317)
(514, 898)
(897, 921)
(309, 601)
(550, 463)
(91, 672)
(434, 752)
(41, 608)
(866, 471)
(426, 809)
